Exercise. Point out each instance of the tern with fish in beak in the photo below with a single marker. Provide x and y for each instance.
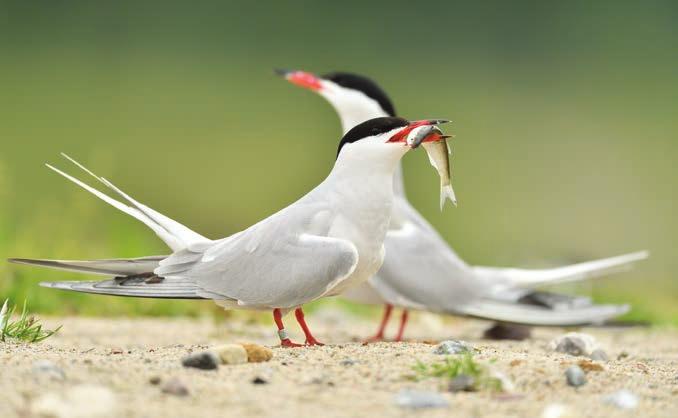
(326, 242)
(421, 271)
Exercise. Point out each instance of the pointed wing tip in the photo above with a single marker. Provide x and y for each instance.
(644, 254)
(15, 260)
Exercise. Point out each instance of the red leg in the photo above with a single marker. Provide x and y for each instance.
(403, 322)
(379, 336)
(310, 339)
(284, 339)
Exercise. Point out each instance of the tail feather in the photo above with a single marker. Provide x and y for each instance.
(175, 235)
(109, 267)
(140, 288)
(575, 272)
(178, 230)
(541, 316)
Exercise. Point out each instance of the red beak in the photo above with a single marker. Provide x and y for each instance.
(301, 78)
(434, 136)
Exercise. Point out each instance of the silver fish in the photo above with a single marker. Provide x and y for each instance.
(439, 157)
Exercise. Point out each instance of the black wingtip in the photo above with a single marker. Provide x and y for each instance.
(282, 72)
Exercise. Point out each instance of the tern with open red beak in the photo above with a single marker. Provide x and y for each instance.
(328, 241)
(421, 271)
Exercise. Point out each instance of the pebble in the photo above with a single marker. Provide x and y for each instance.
(417, 399)
(575, 376)
(555, 410)
(257, 353)
(452, 347)
(599, 355)
(154, 380)
(259, 381)
(205, 360)
(80, 401)
(575, 343)
(348, 362)
(506, 385)
(174, 387)
(48, 369)
(623, 399)
(314, 379)
(231, 354)
(589, 366)
(501, 331)
(462, 383)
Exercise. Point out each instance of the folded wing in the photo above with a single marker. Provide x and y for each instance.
(282, 262)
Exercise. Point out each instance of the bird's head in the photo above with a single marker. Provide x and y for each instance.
(356, 98)
(388, 136)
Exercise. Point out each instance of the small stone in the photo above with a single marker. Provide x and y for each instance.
(48, 369)
(599, 355)
(205, 360)
(315, 379)
(231, 354)
(348, 362)
(622, 355)
(462, 383)
(257, 353)
(452, 347)
(417, 399)
(80, 401)
(174, 387)
(555, 410)
(116, 351)
(259, 381)
(154, 380)
(574, 343)
(505, 384)
(589, 366)
(623, 399)
(501, 331)
(575, 376)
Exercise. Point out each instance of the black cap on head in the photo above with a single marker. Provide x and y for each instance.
(371, 127)
(363, 84)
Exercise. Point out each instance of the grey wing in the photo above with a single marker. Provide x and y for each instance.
(421, 270)
(282, 262)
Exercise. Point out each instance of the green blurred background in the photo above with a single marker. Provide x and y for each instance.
(565, 117)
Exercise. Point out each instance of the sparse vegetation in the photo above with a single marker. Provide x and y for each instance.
(25, 328)
(455, 366)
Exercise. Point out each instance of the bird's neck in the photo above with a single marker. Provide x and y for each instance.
(361, 192)
(351, 115)
(365, 162)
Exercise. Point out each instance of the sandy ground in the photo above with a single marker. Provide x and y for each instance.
(122, 355)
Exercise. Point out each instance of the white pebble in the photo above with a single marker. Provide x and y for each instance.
(231, 353)
(82, 401)
(623, 399)
(575, 343)
(554, 410)
(416, 399)
(452, 347)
